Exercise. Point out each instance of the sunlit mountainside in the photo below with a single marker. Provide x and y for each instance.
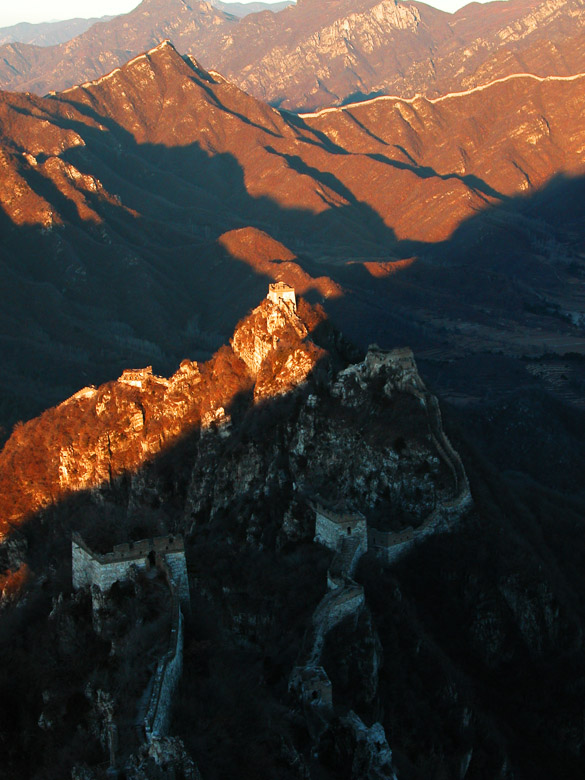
(292, 405)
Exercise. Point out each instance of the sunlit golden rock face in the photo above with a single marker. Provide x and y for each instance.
(273, 344)
(269, 327)
(100, 434)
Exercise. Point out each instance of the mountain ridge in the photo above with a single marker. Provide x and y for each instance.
(46, 33)
(117, 428)
(157, 161)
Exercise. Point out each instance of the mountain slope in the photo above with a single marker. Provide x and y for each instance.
(106, 46)
(115, 196)
(324, 54)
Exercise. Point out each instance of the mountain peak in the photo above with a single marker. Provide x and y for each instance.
(162, 46)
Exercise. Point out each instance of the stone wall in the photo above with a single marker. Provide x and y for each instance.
(280, 291)
(178, 572)
(166, 678)
(344, 563)
(462, 493)
(349, 602)
(396, 551)
(136, 376)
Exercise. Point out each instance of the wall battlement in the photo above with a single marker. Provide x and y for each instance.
(140, 377)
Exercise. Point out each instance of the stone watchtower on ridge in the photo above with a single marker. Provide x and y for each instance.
(281, 291)
(91, 568)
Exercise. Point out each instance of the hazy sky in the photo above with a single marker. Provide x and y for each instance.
(41, 11)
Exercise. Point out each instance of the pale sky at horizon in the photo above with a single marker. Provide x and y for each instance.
(39, 11)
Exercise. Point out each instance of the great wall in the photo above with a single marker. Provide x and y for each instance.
(166, 555)
(348, 534)
(309, 682)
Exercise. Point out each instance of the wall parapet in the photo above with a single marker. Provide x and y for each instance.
(281, 291)
(131, 550)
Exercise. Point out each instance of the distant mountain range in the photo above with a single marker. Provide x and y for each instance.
(316, 54)
(54, 33)
(47, 33)
(243, 9)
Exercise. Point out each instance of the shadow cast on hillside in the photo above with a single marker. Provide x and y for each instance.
(475, 183)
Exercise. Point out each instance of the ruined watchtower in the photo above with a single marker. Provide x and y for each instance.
(281, 291)
(137, 377)
(331, 527)
(91, 568)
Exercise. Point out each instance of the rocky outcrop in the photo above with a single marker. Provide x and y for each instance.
(268, 326)
(395, 479)
(274, 346)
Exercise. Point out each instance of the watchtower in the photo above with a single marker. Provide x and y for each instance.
(281, 291)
